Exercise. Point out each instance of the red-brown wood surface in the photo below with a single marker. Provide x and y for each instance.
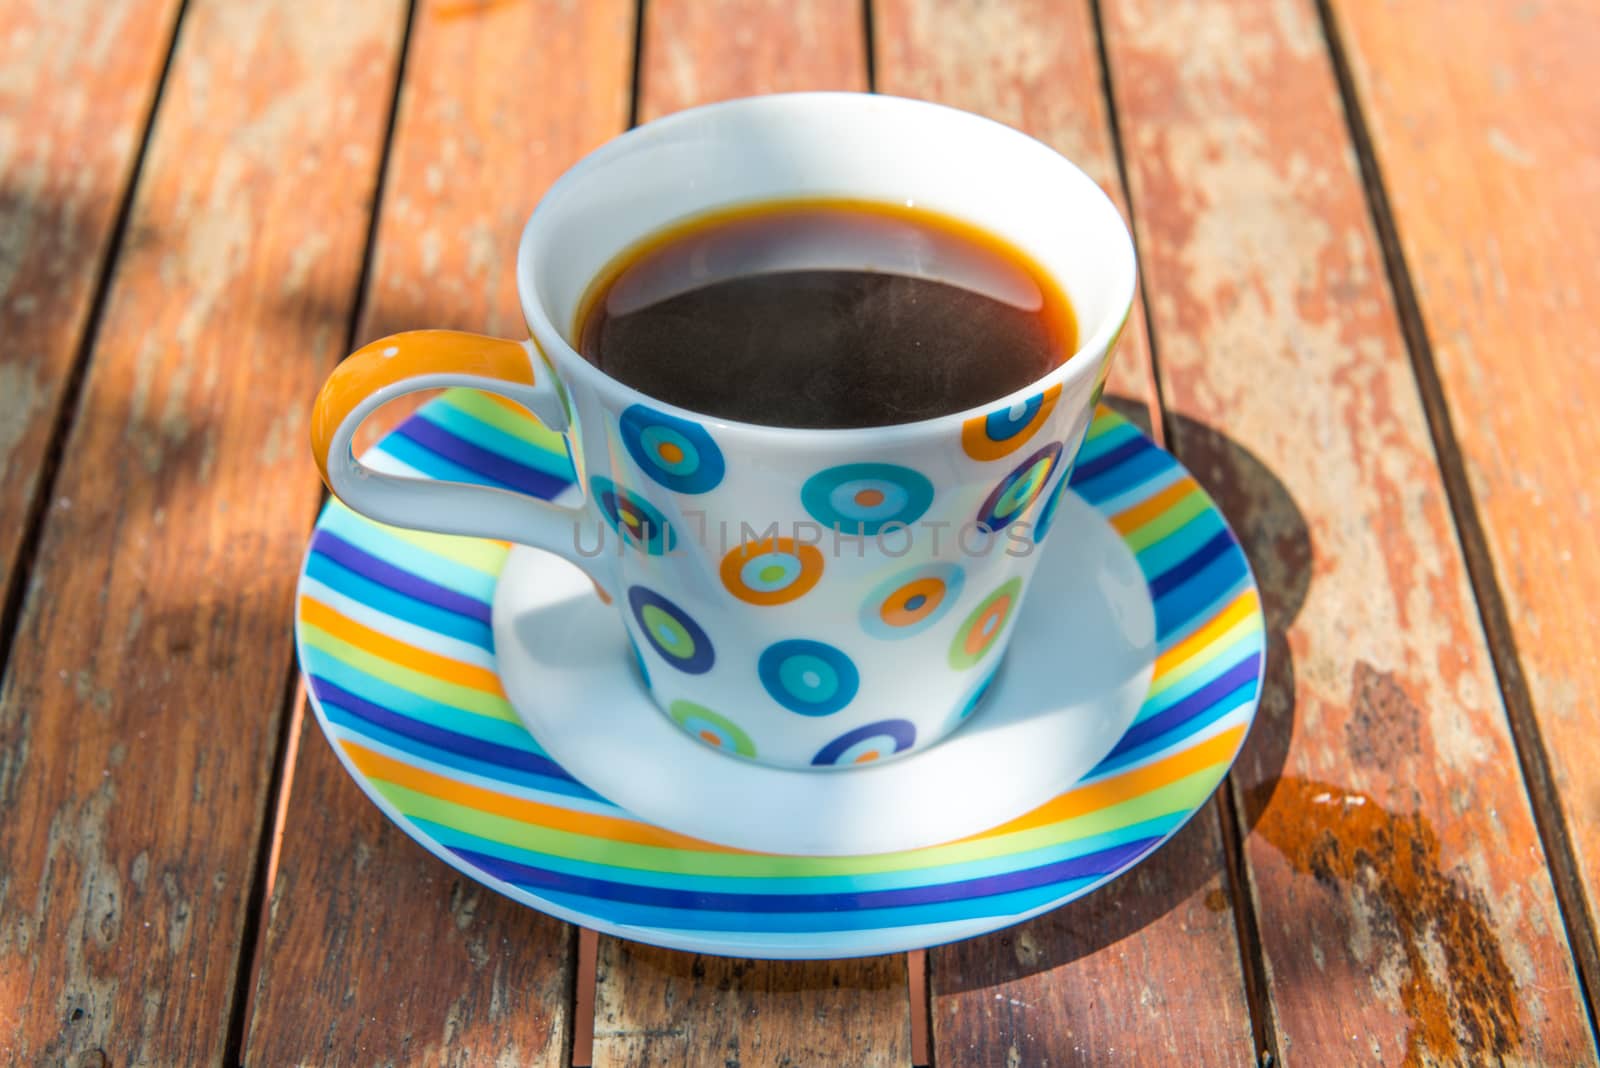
(658, 1006)
(377, 952)
(143, 698)
(1111, 977)
(79, 79)
(1484, 118)
(1404, 908)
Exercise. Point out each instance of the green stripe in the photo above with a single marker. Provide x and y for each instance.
(485, 409)
(404, 678)
(1192, 505)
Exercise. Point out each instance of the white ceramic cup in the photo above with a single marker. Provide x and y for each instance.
(800, 597)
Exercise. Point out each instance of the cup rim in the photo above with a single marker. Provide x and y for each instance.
(547, 336)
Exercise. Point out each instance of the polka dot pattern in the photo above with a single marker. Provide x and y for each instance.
(635, 520)
(912, 601)
(982, 628)
(1008, 500)
(811, 678)
(861, 499)
(1005, 430)
(674, 452)
(719, 732)
(864, 744)
(671, 632)
(1047, 514)
(771, 571)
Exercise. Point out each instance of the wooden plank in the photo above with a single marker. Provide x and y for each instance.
(700, 51)
(76, 90)
(376, 952)
(657, 1006)
(1404, 909)
(1486, 114)
(1110, 978)
(142, 704)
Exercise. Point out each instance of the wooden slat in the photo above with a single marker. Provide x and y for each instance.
(1405, 912)
(75, 94)
(656, 1006)
(375, 951)
(141, 706)
(1110, 978)
(1484, 119)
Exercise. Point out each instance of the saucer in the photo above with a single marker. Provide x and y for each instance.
(1076, 673)
(394, 630)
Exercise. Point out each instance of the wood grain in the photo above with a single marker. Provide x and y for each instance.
(1483, 119)
(376, 952)
(77, 81)
(700, 51)
(658, 1006)
(1405, 913)
(1112, 976)
(142, 704)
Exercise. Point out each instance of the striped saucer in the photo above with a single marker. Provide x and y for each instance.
(393, 630)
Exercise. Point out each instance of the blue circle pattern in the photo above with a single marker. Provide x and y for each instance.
(1001, 425)
(849, 746)
(615, 503)
(990, 514)
(900, 495)
(697, 467)
(700, 655)
(811, 678)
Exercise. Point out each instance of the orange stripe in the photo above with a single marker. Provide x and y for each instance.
(1237, 609)
(1218, 749)
(610, 828)
(1132, 519)
(341, 626)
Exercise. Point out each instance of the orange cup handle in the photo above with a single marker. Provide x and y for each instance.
(430, 359)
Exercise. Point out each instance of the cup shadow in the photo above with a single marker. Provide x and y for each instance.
(1276, 540)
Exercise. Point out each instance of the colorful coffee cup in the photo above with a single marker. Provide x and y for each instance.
(804, 598)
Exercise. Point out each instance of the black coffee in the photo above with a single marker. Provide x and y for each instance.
(826, 314)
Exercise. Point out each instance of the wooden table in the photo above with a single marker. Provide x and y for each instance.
(1369, 241)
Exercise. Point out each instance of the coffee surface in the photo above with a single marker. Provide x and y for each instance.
(826, 315)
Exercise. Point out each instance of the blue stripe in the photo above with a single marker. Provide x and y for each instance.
(1105, 460)
(1149, 464)
(353, 557)
(1229, 703)
(1184, 604)
(382, 599)
(379, 542)
(1192, 565)
(489, 466)
(542, 879)
(1176, 546)
(432, 464)
(463, 424)
(440, 738)
(1196, 704)
(413, 706)
(689, 880)
(1098, 446)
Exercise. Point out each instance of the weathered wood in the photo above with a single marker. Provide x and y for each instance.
(375, 951)
(660, 1007)
(141, 707)
(1404, 908)
(1483, 118)
(699, 51)
(657, 1006)
(79, 80)
(1112, 977)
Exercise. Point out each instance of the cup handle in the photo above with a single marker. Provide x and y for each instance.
(432, 359)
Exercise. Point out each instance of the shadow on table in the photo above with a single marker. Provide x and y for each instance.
(1277, 542)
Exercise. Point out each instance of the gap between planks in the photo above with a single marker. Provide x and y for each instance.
(287, 750)
(1252, 957)
(72, 387)
(1527, 739)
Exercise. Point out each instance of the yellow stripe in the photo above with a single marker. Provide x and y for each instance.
(1239, 608)
(404, 654)
(1131, 519)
